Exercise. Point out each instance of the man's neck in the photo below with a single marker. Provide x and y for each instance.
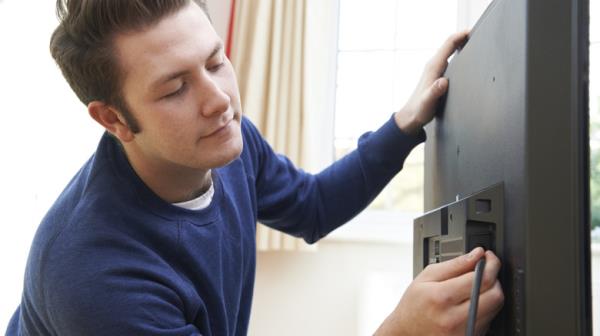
(172, 183)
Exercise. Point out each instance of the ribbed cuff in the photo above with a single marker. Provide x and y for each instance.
(388, 145)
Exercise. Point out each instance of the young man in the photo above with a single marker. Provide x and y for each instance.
(155, 234)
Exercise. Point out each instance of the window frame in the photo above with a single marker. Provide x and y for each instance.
(375, 225)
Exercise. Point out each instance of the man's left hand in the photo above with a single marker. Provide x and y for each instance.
(421, 106)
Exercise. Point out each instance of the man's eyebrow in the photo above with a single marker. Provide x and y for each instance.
(216, 50)
(170, 76)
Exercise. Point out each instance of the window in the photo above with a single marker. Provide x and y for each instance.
(383, 47)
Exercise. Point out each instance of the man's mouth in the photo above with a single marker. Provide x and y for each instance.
(220, 130)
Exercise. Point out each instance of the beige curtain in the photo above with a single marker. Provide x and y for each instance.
(268, 53)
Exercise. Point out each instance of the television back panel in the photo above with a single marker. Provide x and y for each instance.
(516, 113)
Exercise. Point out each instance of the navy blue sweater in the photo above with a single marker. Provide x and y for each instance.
(112, 258)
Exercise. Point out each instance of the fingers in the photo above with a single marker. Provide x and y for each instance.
(445, 288)
(420, 108)
(454, 42)
(483, 324)
(437, 65)
(490, 300)
(431, 96)
(452, 319)
(437, 302)
(436, 90)
(459, 288)
(490, 304)
(451, 268)
(490, 274)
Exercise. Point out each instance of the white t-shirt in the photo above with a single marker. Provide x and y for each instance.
(200, 202)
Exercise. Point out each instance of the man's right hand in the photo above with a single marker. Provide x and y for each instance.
(437, 301)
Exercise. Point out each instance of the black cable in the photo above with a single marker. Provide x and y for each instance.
(475, 297)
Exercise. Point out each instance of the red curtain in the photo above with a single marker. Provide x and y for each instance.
(230, 31)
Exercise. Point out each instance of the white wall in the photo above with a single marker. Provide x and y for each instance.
(344, 288)
(46, 135)
(219, 13)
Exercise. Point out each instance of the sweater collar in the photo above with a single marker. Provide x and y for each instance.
(112, 150)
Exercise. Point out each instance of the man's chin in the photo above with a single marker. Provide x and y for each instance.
(227, 155)
(230, 159)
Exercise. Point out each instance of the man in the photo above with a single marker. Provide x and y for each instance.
(155, 234)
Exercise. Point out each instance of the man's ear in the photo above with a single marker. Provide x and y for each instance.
(111, 119)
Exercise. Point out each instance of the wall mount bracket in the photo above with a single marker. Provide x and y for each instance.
(459, 227)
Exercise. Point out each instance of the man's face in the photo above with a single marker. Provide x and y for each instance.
(182, 89)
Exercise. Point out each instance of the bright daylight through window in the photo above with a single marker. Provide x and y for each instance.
(383, 48)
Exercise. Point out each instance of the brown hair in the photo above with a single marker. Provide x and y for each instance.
(82, 44)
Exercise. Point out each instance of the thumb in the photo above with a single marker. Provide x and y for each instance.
(440, 86)
(437, 89)
(451, 268)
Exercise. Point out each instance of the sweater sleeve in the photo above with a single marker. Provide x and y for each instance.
(311, 206)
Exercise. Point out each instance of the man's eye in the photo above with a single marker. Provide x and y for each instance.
(216, 67)
(177, 92)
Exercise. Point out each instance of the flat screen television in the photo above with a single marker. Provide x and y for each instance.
(516, 114)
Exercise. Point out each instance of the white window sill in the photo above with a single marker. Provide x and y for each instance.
(377, 226)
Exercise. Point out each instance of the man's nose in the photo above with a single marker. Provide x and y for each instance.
(214, 100)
